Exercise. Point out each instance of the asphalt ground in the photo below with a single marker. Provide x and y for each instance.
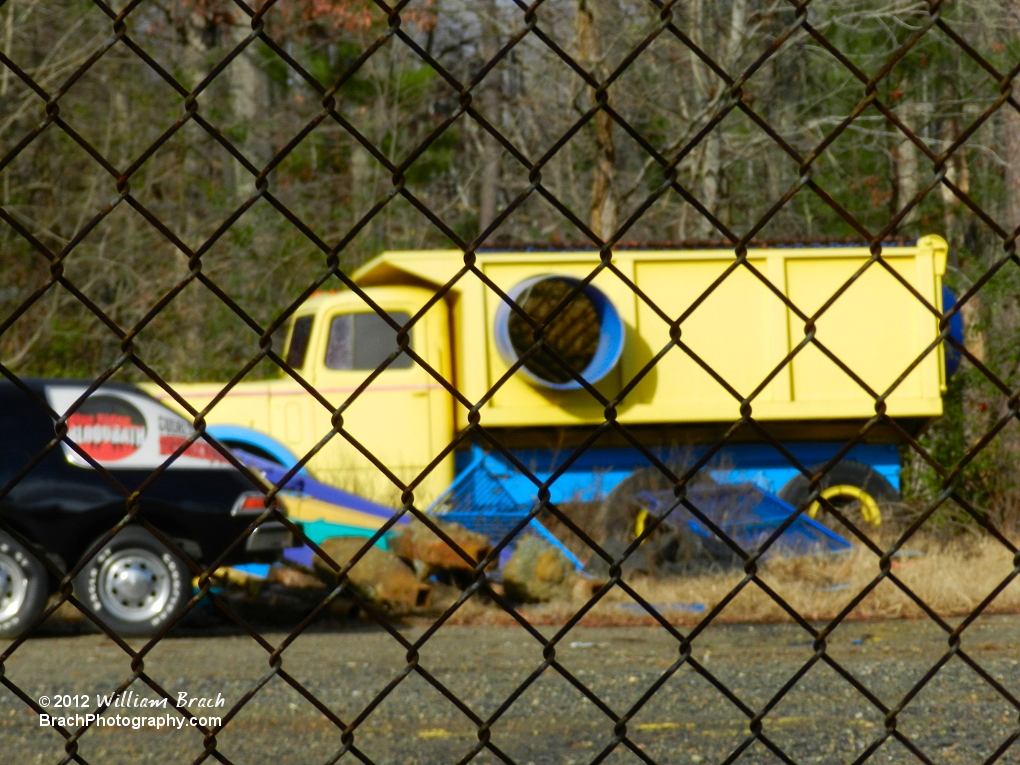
(956, 718)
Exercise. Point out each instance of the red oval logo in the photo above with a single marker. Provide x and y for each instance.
(107, 428)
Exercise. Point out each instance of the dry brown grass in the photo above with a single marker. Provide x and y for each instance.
(953, 579)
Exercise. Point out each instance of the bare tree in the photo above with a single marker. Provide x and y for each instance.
(394, 100)
(1012, 133)
(491, 101)
(604, 207)
(248, 98)
(905, 156)
(727, 50)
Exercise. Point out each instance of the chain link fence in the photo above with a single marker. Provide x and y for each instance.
(525, 28)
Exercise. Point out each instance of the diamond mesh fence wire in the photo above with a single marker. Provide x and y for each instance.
(183, 181)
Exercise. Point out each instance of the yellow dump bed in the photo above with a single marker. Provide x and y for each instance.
(738, 327)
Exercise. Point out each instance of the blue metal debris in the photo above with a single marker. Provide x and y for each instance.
(490, 497)
(749, 516)
(485, 499)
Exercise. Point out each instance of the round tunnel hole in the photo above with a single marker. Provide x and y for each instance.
(585, 333)
(573, 334)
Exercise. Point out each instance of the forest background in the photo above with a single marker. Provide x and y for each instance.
(388, 100)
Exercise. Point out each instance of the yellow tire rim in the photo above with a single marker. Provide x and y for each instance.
(869, 507)
(640, 521)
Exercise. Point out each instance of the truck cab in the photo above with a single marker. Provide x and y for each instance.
(390, 406)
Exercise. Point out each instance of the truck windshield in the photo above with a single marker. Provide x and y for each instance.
(363, 341)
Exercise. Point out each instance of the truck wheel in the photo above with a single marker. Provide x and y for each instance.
(853, 487)
(23, 587)
(624, 514)
(672, 548)
(134, 583)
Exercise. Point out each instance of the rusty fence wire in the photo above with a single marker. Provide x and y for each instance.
(529, 25)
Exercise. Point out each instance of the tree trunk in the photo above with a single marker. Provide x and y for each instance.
(490, 175)
(711, 169)
(957, 173)
(5, 74)
(712, 156)
(738, 31)
(491, 98)
(246, 94)
(604, 204)
(199, 32)
(1012, 207)
(973, 337)
(1012, 212)
(905, 167)
(1012, 140)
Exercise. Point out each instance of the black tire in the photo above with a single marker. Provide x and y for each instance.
(671, 549)
(134, 583)
(622, 506)
(24, 587)
(847, 472)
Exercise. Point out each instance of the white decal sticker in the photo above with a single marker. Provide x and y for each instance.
(122, 429)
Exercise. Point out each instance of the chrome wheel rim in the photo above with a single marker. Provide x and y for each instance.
(13, 587)
(134, 585)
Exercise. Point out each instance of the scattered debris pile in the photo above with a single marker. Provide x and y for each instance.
(419, 571)
(377, 575)
(537, 572)
(417, 574)
(286, 593)
(430, 555)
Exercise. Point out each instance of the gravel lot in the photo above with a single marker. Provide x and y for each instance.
(957, 718)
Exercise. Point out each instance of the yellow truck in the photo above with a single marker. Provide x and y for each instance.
(734, 335)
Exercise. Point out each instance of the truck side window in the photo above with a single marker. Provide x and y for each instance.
(299, 341)
(363, 341)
